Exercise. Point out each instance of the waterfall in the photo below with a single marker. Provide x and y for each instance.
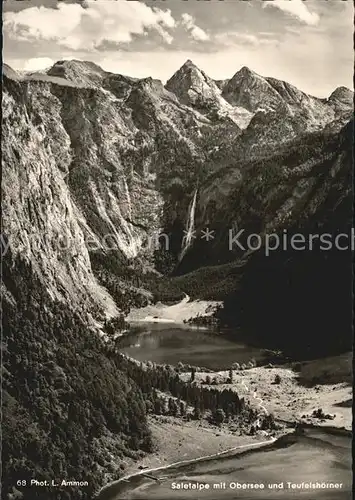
(190, 225)
(128, 198)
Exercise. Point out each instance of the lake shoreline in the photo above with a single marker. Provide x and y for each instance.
(107, 491)
(284, 440)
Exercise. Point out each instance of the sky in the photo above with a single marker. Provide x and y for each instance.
(308, 43)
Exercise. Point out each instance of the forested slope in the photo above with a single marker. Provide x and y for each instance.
(69, 411)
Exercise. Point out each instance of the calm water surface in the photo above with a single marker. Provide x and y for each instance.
(166, 344)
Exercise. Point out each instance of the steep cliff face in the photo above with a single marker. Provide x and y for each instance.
(41, 219)
(95, 161)
(81, 167)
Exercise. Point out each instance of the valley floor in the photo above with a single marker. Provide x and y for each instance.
(177, 440)
(176, 313)
(289, 400)
(293, 399)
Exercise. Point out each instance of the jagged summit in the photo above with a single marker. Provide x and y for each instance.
(256, 93)
(188, 71)
(239, 99)
(245, 71)
(186, 74)
(342, 101)
(192, 86)
(189, 64)
(251, 91)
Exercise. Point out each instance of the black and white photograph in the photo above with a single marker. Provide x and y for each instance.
(177, 248)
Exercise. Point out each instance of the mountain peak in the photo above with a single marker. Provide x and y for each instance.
(194, 88)
(242, 75)
(83, 72)
(342, 94)
(189, 78)
(188, 64)
(187, 68)
(245, 71)
(250, 91)
(72, 63)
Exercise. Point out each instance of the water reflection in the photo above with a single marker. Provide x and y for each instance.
(170, 344)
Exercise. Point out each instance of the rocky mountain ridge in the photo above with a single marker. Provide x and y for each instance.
(108, 160)
(194, 88)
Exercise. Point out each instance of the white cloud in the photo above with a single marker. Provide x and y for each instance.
(37, 63)
(239, 41)
(233, 38)
(195, 31)
(42, 23)
(296, 8)
(78, 28)
(262, 40)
